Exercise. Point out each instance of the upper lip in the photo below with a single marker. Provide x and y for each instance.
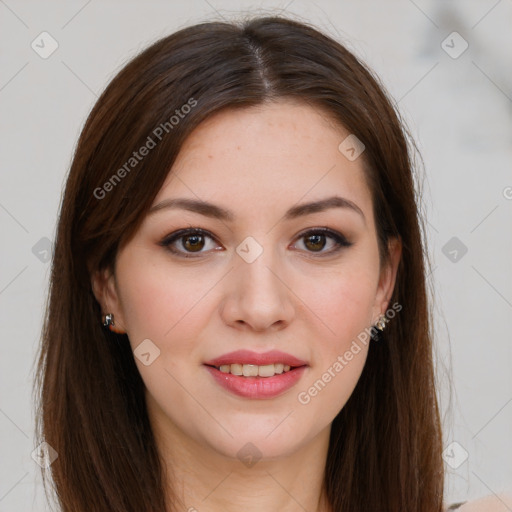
(259, 359)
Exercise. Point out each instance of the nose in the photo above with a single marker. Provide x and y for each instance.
(258, 296)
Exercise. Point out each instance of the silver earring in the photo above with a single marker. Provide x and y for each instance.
(379, 327)
(381, 323)
(108, 319)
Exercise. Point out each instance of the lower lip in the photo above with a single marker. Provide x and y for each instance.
(257, 387)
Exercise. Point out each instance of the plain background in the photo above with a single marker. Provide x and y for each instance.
(458, 108)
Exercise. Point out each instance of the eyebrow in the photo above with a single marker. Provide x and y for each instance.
(217, 212)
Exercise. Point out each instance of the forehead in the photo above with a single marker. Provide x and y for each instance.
(255, 157)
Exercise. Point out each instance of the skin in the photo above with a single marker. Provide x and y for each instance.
(297, 296)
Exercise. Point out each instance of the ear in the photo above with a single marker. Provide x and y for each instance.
(387, 277)
(104, 287)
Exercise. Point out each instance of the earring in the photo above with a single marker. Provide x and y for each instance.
(108, 321)
(381, 323)
(379, 326)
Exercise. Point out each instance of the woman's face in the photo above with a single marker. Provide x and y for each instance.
(261, 276)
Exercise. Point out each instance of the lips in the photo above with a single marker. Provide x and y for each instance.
(256, 375)
(257, 388)
(258, 359)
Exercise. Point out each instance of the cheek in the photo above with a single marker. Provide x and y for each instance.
(342, 302)
(343, 308)
(156, 300)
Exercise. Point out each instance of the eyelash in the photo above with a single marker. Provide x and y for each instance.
(339, 239)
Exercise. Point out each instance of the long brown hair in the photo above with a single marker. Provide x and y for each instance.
(385, 445)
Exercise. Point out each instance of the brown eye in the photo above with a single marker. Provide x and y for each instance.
(315, 242)
(193, 242)
(188, 242)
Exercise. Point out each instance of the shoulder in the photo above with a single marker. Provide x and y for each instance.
(491, 503)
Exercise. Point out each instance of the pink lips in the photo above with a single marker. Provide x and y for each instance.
(250, 357)
(257, 387)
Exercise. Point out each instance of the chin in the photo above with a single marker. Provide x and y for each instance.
(265, 438)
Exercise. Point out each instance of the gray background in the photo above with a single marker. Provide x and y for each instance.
(458, 109)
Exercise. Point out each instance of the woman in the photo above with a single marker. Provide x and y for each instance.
(238, 313)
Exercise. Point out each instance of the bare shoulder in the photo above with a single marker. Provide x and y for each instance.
(491, 503)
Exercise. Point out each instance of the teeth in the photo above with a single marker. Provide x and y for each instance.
(266, 371)
(236, 369)
(252, 370)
